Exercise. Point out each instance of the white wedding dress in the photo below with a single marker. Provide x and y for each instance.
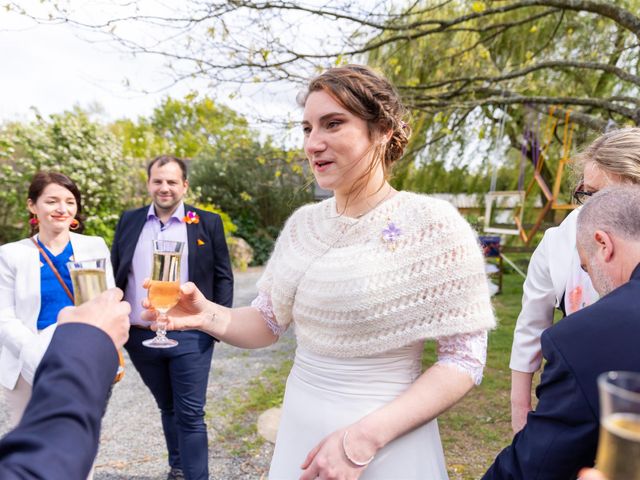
(408, 270)
(324, 394)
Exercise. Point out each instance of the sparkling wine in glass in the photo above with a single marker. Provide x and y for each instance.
(164, 291)
(619, 444)
(89, 280)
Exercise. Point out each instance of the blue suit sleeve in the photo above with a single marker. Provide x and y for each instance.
(58, 435)
(561, 434)
(222, 271)
(116, 254)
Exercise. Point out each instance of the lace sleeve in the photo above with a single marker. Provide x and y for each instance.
(466, 351)
(263, 304)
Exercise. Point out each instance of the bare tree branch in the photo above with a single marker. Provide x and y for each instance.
(244, 41)
(549, 64)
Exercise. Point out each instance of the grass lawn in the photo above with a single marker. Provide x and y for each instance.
(473, 432)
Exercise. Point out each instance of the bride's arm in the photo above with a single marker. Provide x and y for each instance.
(434, 392)
(242, 327)
(461, 359)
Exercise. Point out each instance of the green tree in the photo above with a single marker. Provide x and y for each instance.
(466, 66)
(72, 144)
(450, 54)
(181, 127)
(258, 184)
(460, 65)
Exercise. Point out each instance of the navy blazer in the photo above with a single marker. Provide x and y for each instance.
(209, 263)
(561, 435)
(58, 435)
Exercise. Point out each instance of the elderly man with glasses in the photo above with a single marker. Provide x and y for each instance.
(561, 435)
(554, 278)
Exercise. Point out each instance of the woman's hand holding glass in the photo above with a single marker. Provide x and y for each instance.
(192, 312)
(242, 327)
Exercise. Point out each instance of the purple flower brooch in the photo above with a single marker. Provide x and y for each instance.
(390, 235)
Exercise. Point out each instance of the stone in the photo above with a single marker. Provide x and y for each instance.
(240, 251)
(268, 423)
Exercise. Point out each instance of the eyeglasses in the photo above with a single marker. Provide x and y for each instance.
(581, 196)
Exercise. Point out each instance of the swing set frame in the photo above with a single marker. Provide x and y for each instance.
(551, 194)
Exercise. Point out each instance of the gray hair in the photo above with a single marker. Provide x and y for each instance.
(617, 151)
(616, 210)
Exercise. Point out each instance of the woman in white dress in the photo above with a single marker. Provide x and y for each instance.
(366, 277)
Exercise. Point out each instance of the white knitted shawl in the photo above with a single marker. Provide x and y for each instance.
(351, 293)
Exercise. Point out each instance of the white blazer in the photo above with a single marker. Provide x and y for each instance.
(21, 345)
(552, 264)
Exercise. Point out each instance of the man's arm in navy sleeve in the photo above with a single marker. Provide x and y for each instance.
(560, 435)
(223, 273)
(60, 430)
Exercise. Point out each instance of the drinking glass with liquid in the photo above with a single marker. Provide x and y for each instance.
(89, 279)
(619, 443)
(164, 289)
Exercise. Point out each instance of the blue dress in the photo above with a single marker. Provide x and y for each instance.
(53, 298)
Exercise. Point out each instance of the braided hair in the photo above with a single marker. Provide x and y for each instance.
(372, 98)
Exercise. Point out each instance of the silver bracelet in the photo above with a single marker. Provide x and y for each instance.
(355, 462)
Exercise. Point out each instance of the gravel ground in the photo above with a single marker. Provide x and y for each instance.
(132, 444)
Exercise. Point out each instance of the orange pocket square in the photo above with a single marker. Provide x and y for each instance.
(200, 242)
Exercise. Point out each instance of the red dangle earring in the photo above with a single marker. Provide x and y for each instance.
(75, 224)
(33, 221)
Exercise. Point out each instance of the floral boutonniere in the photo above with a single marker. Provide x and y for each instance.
(191, 217)
(390, 235)
(200, 242)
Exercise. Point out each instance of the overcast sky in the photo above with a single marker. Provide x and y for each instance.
(51, 68)
(54, 67)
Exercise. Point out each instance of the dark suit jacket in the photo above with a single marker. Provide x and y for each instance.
(57, 438)
(209, 264)
(561, 435)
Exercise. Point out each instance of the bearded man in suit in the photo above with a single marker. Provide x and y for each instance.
(177, 377)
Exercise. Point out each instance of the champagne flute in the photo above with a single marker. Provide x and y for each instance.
(619, 444)
(164, 290)
(89, 280)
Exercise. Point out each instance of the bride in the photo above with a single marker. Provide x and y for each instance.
(365, 277)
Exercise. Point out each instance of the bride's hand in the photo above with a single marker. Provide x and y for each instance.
(328, 460)
(193, 310)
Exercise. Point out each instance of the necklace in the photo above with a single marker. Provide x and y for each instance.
(340, 235)
(372, 207)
